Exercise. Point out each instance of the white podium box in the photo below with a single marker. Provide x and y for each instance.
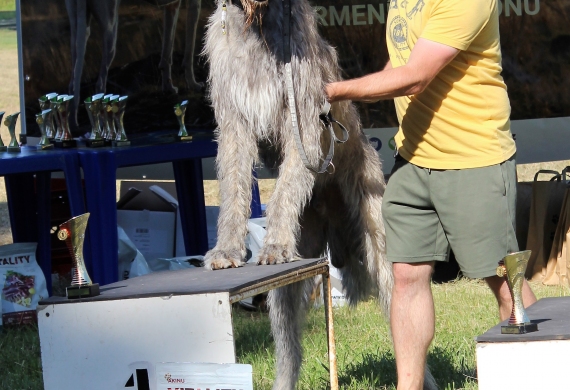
(135, 325)
(536, 360)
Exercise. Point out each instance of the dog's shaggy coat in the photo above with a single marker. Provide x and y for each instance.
(307, 212)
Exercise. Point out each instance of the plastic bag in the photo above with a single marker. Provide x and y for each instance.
(24, 283)
(254, 239)
(183, 262)
(131, 261)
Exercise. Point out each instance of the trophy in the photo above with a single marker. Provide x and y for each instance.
(2, 146)
(512, 268)
(118, 107)
(65, 140)
(45, 103)
(93, 106)
(41, 120)
(180, 111)
(10, 123)
(73, 233)
(57, 130)
(107, 123)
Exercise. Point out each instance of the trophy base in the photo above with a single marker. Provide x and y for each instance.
(184, 138)
(519, 328)
(95, 143)
(121, 143)
(14, 149)
(65, 144)
(75, 292)
(3, 148)
(44, 147)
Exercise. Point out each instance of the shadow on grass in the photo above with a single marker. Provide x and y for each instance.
(379, 370)
(252, 332)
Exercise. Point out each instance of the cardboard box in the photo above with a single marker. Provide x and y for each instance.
(148, 213)
(144, 206)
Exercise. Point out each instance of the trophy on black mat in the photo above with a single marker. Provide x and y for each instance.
(180, 112)
(118, 107)
(10, 123)
(41, 120)
(56, 130)
(107, 123)
(65, 140)
(93, 106)
(512, 267)
(73, 233)
(45, 103)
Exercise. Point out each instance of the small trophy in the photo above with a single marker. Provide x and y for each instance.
(65, 140)
(118, 107)
(56, 129)
(107, 123)
(180, 111)
(10, 123)
(45, 103)
(2, 146)
(41, 120)
(512, 268)
(93, 106)
(73, 233)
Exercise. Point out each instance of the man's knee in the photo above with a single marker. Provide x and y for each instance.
(411, 274)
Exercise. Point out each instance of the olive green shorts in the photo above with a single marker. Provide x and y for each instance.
(470, 210)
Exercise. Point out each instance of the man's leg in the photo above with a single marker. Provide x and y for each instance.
(500, 288)
(412, 318)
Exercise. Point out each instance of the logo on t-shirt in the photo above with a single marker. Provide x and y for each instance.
(399, 33)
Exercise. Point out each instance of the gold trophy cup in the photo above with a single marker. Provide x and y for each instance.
(42, 120)
(10, 123)
(93, 106)
(73, 233)
(64, 139)
(512, 267)
(118, 106)
(57, 130)
(180, 112)
(45, 103)
(2, 146)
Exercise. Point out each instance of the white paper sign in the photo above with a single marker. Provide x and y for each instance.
(203, 376)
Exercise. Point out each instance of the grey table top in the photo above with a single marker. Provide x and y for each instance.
(552, 316)
(198, 281)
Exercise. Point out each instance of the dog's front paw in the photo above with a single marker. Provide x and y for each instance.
(274, 254)
(219, 259)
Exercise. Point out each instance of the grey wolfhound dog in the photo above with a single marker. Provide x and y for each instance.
(307, 212)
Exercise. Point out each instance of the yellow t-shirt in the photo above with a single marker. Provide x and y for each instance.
(461, 120)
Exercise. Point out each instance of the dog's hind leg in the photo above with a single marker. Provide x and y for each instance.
(237, 152)
(288, 306)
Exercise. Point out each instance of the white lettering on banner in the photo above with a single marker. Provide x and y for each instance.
(351, 14)
(510, 7)
(363, 14)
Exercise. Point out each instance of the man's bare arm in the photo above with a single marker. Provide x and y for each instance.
(427, 59)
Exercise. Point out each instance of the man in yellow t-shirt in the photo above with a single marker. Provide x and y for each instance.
(453, 184)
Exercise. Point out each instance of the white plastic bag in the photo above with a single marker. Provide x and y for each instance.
(255, 234)
(183, 262)
(131, 261)
(24, 283)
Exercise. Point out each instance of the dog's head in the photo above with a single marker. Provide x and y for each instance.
(253, 10)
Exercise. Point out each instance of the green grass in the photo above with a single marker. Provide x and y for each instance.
(7, 5)
(8, 40)
(464, 308)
